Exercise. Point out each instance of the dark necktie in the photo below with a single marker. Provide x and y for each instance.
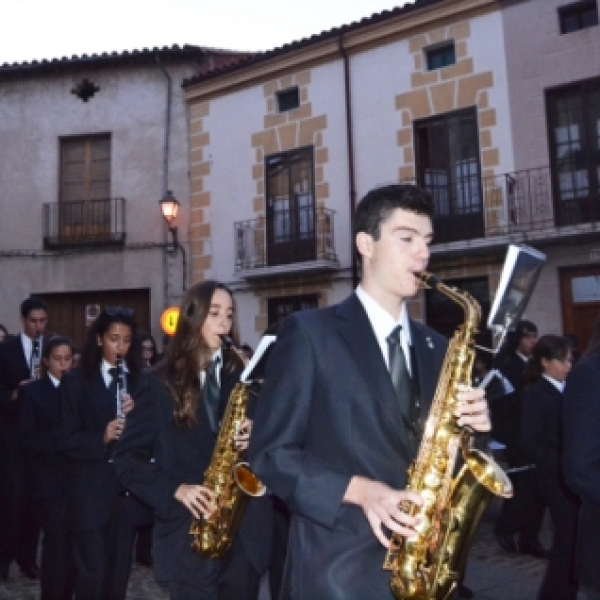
(212, 394)
(399, 371)
(112, 387)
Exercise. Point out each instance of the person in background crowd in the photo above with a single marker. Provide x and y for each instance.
(47, 470)
(143, 544)
(76, 361)
(581, 458)
(149, 352)
(19, 358)
(338, 420)
(541, 436)
(523, 514)
(481, 368)
(177, 424)
(3, 333)
(98, 507)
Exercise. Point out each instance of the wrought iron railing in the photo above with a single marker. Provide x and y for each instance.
(85, 222)
(288, 237)
(521, 202)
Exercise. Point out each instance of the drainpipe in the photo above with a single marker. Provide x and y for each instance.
(349, 136)
(166, 175)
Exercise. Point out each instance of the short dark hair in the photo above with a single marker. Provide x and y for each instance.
(547, 347)
(53, 342)
(32, 303)
(376, 207)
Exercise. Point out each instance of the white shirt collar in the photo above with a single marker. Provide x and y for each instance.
(104, 369)
(522, 357)
(559, 385)
(27, 344)
(54, 380)
(383, 324)
(218, 354)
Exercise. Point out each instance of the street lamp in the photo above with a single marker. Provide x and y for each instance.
(169, 206)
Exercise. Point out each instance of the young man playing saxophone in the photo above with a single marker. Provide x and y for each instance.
(331, 437)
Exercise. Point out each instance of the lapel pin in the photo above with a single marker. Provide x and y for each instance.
(429, 342)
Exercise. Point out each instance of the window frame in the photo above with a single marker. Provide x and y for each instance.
(288, 99)
(579, 10)
(440, 50)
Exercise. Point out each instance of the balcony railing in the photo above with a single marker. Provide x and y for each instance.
(84, 223)
(523, 202)
(289, 239)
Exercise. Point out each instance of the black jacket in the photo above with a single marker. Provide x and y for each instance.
(182, 455)
(86, 409)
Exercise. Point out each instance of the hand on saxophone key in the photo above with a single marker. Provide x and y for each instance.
(382, 507)
(198, 499)
(472, 409)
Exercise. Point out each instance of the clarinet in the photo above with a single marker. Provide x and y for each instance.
(35, 359)
(121, 387)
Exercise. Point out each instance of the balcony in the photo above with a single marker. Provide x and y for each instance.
(521, 207)
(84, 223)
(286, 242)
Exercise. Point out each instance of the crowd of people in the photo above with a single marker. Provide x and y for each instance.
(117, 448)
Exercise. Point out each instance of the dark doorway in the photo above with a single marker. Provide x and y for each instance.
(71, 313)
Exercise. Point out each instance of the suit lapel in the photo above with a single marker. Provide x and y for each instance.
(355, 329)
(426, 368)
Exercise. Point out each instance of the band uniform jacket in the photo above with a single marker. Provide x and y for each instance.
(581, 460)
(46, 467)
(328, 411)
(541, 428)
(14, 368)
(181, 454)
(86, 409)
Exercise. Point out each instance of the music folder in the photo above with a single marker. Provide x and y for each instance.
(255, 369)
(522, 268)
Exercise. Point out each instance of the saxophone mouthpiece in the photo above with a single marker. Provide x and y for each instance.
(229, 343)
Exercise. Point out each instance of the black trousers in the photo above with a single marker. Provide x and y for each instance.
(20, 523)
(559, 582)
(231, 578)
(103, 557)
(524, 512)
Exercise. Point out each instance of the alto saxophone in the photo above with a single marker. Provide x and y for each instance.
(429, 564)
(228, 477)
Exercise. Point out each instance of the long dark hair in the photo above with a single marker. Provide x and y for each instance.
(91, 355)
(187, 353)
(548, 347)
(146, 336)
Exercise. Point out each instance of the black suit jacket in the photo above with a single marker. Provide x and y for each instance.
(507, 411)
(581, 459)
(14, 368)
(46, 468)
(86, 409)
(182, 455)
(541, 428)
(328, 411)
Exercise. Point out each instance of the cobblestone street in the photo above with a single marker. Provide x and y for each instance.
(491, 573)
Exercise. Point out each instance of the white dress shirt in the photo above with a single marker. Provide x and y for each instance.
(383, 324)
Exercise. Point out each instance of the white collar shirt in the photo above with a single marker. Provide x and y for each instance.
(104, 369)
(27, 344)
(559, 385)
(218, 354)
(383, 324)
